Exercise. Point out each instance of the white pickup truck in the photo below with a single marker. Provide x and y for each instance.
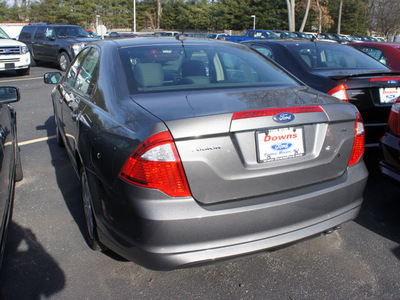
(14, 55)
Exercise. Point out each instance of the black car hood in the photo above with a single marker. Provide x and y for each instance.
(179, 105)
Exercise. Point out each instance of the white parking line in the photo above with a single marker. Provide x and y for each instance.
(20, 79)
(37, 140)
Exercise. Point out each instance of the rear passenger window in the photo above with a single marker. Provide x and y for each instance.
(40, 33)
(70, 79)
(266, 51)
(27, 32)
(86, 79)
(49, 33)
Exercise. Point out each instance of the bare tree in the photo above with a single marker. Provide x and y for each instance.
(385, 16)
(303, 24)
(319, 16)
(339, 16)
(159, 10)
(291, 14)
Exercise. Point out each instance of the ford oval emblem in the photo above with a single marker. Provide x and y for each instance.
(392, 81)
(281, 146)
(284, 117)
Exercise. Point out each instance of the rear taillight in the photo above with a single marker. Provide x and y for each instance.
(156, 164)
(339, 92)
(394, 118)
(358, 146)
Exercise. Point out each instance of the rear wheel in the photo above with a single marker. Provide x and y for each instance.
(63, 61)
(3, 235)
(33, 61)
(18, 167)
(90, 223)
(58, 134)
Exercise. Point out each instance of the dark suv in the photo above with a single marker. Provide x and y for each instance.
(54, 42)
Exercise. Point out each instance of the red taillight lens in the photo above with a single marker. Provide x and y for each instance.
(156, 164)
(358, 146)
(339, 92)
(394, 118)
(273, 111)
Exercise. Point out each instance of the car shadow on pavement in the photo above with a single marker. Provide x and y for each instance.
(66, 178)
(28, 271)
(380, 212)
(68, 182)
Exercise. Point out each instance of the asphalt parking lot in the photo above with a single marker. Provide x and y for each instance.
(47, 257)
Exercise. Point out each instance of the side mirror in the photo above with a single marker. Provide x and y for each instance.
(9, 94)
(52, 77)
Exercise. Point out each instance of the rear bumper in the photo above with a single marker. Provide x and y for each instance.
(390, 164)
(166, 234)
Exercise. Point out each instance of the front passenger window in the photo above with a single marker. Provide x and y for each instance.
(49, 33)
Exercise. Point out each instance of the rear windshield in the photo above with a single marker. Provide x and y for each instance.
(198, 66)
(321, 56)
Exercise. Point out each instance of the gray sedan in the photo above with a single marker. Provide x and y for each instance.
(192, 150)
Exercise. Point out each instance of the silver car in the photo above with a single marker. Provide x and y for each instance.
(194, 150)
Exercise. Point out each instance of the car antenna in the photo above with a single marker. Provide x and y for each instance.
(180, 37)
(313, 39)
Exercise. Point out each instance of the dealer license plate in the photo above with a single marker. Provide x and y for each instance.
(389, 95)
(282, 143)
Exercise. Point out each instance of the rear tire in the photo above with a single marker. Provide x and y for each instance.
(63, 61)
(3, 235)
(33, 61)
(90, 222)
(19, 175)
(59, 139)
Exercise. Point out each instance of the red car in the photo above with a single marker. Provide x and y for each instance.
(386, 53)
(390, 144)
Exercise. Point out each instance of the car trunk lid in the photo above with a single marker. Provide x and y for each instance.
(374, 95)
(226, 151)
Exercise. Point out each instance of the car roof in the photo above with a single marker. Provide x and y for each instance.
(51, 24)
(376, 44)
(145, 41)
(290, 41)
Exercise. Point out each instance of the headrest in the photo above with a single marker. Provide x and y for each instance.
(148, 74)
(193, 68)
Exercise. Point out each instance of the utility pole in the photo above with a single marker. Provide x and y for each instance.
(254, 21)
